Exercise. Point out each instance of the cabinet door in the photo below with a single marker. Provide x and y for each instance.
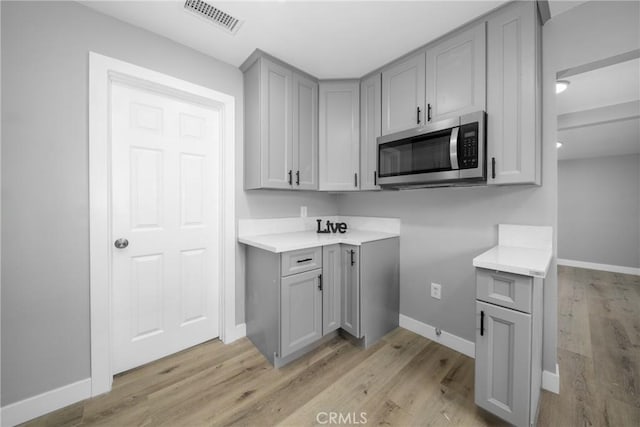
(513, 122)
(276, 125)
(403, 95)
(350, 298)
(330, 288)
(339, 135)
(305, 133)
(300, 311)
(456, 72)
(370, 128)
(503, 362)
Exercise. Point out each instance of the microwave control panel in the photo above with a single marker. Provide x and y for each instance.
(468, 146)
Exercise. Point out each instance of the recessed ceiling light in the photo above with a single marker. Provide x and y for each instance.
(561, 85)
(558, 144)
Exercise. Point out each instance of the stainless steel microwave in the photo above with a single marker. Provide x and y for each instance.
(446, 153)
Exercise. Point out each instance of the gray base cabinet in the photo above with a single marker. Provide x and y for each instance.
(350, 303)
(292, 305)
(300, 310)
(331, 285)
(508, 345)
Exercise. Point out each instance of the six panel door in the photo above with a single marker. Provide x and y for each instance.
(165, 203)
(503, 362)
(456, 73)
(300, 311)
(403, 95)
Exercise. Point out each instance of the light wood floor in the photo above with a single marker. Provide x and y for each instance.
(403, 380)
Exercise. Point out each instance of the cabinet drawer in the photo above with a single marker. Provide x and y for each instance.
(504, 289)
(294, 262)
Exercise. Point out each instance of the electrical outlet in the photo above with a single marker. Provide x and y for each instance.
(303, 211)
(436, 290)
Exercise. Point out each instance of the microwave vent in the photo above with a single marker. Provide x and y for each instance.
(214, 15)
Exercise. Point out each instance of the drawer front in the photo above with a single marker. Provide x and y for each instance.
(504, 289)
(294, 262)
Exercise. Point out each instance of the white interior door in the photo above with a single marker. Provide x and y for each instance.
(165, 201)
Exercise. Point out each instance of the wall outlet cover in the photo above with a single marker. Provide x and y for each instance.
(436, 291)
(303, 211)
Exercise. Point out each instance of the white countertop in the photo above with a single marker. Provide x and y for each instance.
(282, 242)
(526, 261)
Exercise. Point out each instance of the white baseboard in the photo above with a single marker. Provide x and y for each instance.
(33, 407)
(449, 340)
(602, 267)
(551, 380)
(235, 333)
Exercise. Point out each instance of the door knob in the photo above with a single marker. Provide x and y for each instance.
(121, 243)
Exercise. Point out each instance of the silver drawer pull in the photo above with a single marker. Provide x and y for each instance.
(304, 260)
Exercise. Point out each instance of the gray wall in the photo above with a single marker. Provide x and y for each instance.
(443, 229)
(599, 210)
(45, 213)
(273, 204)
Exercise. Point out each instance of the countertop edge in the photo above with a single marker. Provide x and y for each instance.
(257, 241)
(514, 268)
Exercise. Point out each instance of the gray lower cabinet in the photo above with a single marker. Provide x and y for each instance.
(508, 370)
(331, 284)
(300, 310)
(292, 305)
(350, 303)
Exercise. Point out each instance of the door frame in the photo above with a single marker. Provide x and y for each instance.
(103, 71)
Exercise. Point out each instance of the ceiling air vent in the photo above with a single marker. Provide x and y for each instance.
(213, 14)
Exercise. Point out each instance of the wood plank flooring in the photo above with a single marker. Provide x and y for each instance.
(404, 380)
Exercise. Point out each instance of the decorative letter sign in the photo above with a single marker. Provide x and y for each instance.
(338, 227)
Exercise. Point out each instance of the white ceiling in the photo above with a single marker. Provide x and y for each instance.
(328, 39)
(560, 6)
(607, 139)
(343, 39)
(612, 85)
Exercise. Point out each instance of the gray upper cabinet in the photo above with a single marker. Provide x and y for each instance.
(513, 95)
(339, 145)
(350, 298)
(331, 276)
(456, 73)
(403, 94)
(281, 119)
(305, 132)
(370, 128)
(300, 311)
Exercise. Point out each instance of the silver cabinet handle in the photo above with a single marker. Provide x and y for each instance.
(121, 243)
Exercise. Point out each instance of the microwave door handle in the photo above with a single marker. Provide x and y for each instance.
(453, 148)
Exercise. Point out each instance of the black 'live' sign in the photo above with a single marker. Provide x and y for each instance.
(338, 227)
